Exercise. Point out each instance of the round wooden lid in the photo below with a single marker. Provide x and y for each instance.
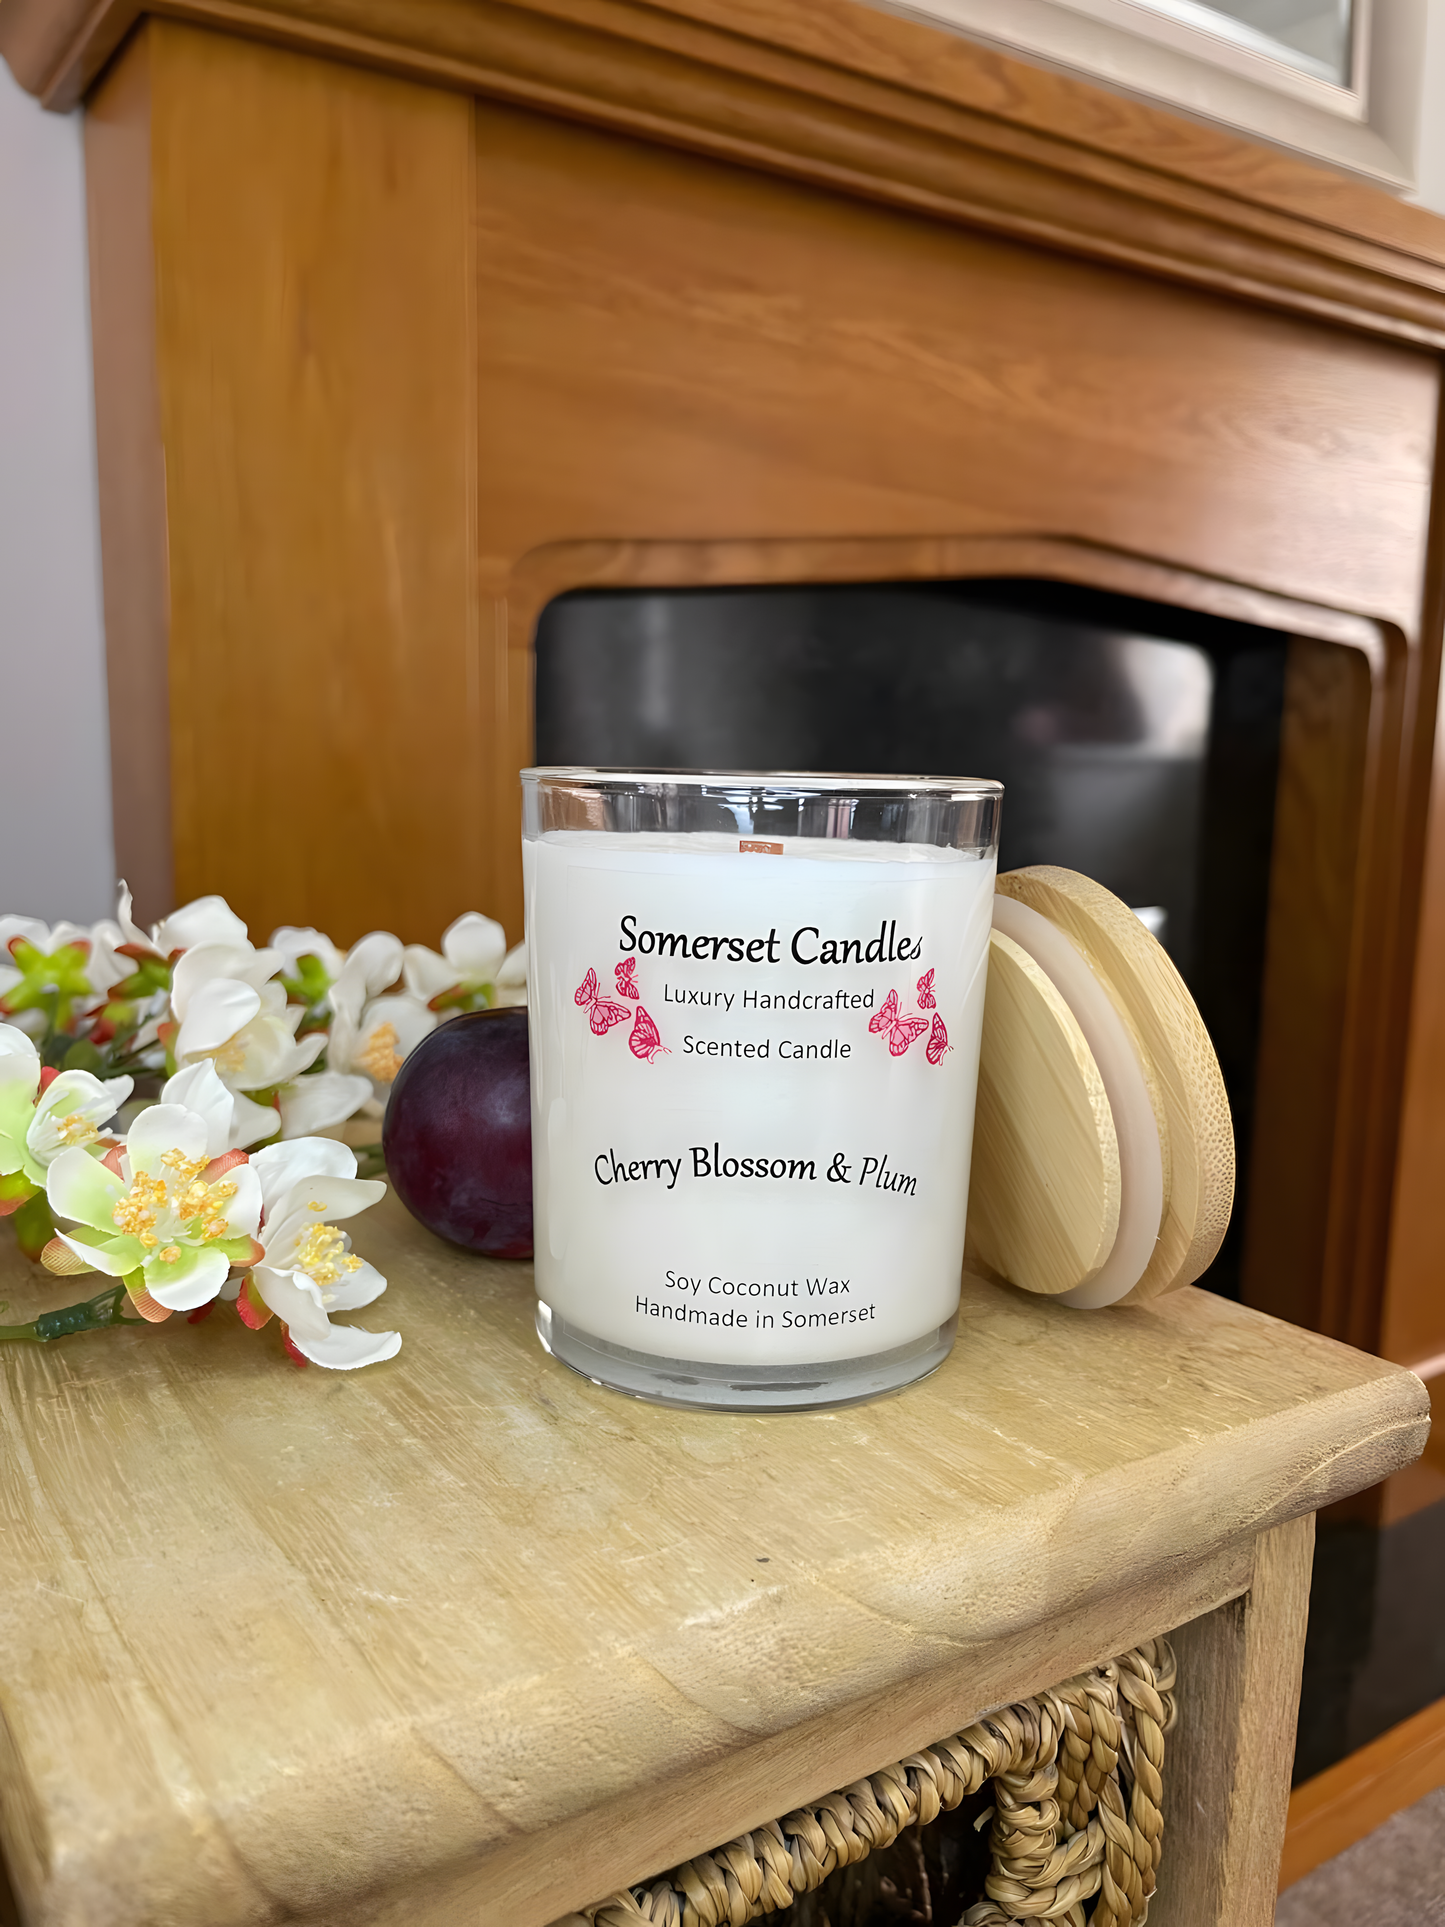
(1044, 1194)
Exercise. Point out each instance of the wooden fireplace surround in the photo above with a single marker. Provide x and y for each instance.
(411, 314)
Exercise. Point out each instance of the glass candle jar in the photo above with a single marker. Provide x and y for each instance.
(755, 1008)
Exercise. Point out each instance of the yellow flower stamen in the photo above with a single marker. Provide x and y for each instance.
(380, 1057)
(186, 1169)
(75, 1129)
(321, 1253)
(206, 1203)
(197, 1209)
(230, 1056)
(136, 1211)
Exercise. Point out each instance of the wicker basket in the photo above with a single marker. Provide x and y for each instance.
(1076, 1780)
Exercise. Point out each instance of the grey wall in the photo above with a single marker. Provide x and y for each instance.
(55, 828)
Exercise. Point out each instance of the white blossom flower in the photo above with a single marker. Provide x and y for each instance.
(512, 977)
(68, 967)
(206, 920)
(373, 1029)
(30, 928)
(106, 938)
(464, 976)
(310, 965)
(102, 967)
(233, 1121)
(69, 1112)
(319, 1100)
(308, 1270)
(158, 1213)
(249, 1033)
(292, 944)
(14, 1043)
(37, 1125)
(374, 1043)
(207, 963)
(207, 931)
(19, 1085)
(371, 966)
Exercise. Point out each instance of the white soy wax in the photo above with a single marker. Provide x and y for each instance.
(754, 1061)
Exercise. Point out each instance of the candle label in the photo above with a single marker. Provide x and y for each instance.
(753, 1090)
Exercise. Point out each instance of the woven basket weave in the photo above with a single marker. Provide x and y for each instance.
(1077, 1785)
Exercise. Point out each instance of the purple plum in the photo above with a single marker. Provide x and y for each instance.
(458, 1133)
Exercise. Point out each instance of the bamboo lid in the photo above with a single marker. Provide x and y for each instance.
(1056, 1175)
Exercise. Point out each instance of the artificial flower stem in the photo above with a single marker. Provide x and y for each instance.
(369, 1161)
(100, 1313)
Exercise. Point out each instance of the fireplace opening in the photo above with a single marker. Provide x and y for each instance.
(1137, 742)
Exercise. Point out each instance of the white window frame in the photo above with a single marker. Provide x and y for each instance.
(1186, 25)
(1367, 127)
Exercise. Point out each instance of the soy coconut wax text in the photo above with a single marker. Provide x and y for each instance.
(754, 1059)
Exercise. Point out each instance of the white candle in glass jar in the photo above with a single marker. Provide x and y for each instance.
(753, 1089)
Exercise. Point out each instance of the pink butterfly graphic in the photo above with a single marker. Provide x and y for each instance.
(624, 975)
(901, 1030)
(926, 998)
(938, 1042)
(645, 1041)
(602, 1014)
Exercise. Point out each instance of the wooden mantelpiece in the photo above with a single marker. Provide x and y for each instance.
(410, 314)
(864, 103)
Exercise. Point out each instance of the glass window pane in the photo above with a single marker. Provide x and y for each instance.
(1311, 35)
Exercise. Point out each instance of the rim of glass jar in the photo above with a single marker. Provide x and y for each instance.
(786, 782)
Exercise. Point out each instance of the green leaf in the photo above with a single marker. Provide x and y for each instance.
(54, 1047)
(465, 997)
(49, 982)
(83, 1056)
(310, 983)
(34, 1226)
(149, 976)
(13, 1185)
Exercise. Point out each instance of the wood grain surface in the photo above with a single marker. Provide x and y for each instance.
(1180, 1069)
(693, 357)
(1044, 1182)
(1315, 910)
(1226, 1786)
(1422, 1483)
(662, 349)
(1414, 1307)
(132, 479)
(856, 99)
(315, 328)
(279, 1644)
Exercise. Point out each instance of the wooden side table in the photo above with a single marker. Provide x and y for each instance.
(465, 1639)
